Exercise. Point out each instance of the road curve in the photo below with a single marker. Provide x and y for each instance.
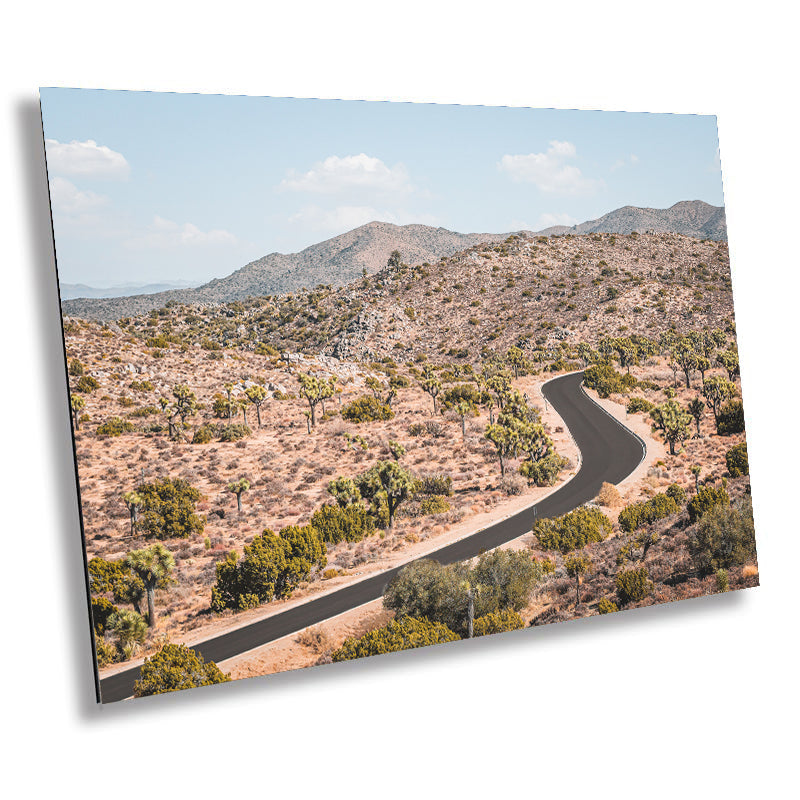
(609, 451)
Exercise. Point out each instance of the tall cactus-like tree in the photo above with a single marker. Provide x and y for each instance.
(696, 409)
(431, 385)
(686, 358)
(673, 421)
(695, 469)
(76, 404)
(153, 566)
(716, 391)
(256, 395)
(239, 488)
(577, 565)
(133, 500)
(729, 359)
(389, 480)
(313, 389)
(229, 387)
(185, 403)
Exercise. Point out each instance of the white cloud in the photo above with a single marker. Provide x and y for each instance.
(548, 220)
(548, 170)
(87, 159)
(361, 172)
(164, 233)
(70, 201)
(632, 160)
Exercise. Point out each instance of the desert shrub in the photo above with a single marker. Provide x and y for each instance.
(366, 409)
(126, 402)
(545, 471)
(428, 428)
(400, 634)
(234, 433)
(497, 622)
(512, 485)
(573, 530)
(130, 631)
(428, 485)
(707, 498)
(335, 523)
(721, 576)
(141, 386)
(677, 493)
(637, 404)
(633, 585)
(115, 427)
(435, 504)
(75, 368)
(271, 567)
(105, 652)
(605, 380)
(507, 578)
(638, 514)
(102, 609)
(204, 434)
(606, 606)
(724, 537)
(87, 384)
(736, 460)
(266, 349)
(168, 509)
(731, 418)
(144, 411)
(609, 495)
(176, 667)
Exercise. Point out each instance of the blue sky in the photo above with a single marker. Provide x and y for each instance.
(148, 187)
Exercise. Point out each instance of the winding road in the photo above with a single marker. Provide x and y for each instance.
(609, 452)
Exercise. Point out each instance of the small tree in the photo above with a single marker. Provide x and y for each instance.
(673, 421)
(633, 585)
(464, 409)
(686, 358)
(344, 491)
(134, 502)
(239, 488)
(184, 405)
(386, 480)
(77, 404)
(696, 409)
(168, 509)
(153, 566)
(395, 259)
(256, 395)
(313, 389)
(717, 390)
(729, 359)
(431, 385)
(696, 469)
(577, 565)
(176, 667)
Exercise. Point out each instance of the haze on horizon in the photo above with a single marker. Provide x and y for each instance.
(159, 187)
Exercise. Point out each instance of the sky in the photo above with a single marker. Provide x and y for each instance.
(149, 187)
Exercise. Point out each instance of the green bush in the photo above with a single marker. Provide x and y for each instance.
(497, 622)
(176, 667)
(75, 368)
(204, 434)
(638, 514)
(724, 537)
(115, 427)
(722, 580)
(144, 411)
(736, 460)
(573, 530)
(605, 380)
(87, 384)
(633, 585)
(335, 523)
(102, 609)
(639, 404)
(235, 432)
(731, 418)
(400, 634)
(435, 504)
(271, 567)
(366, 409)
(168, 509)
(105, 651)
(677, 493)
(707, 498)
(606, 606)
(545, 471)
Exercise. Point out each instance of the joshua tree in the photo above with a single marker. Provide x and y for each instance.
(134, 502)
(313, 389)
(716, 391)
(685, 356)
(396, 449)
(464, 409)
(695, 470)
(386, 480)
(673, 420)
(229, 387)
(577, 565)
(696, 409)
(256, 395)
(431, 385)
(77, 403)
(239, 488)
(153, 566)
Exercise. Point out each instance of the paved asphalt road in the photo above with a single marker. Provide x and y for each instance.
(610, 452)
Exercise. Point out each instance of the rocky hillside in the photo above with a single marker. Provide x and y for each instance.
(342, 259)
(689, 217)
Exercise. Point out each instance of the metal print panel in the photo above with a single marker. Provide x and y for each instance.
(348, 378)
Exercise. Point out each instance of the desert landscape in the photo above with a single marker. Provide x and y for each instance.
(239, 458)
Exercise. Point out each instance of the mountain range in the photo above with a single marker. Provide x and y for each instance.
(342, 259)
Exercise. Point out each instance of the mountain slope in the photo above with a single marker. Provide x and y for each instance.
(342, 259)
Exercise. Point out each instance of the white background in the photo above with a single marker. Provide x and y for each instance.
(694, 699)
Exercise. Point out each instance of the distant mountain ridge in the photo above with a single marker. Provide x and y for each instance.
(73, 291)
(343, 258)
